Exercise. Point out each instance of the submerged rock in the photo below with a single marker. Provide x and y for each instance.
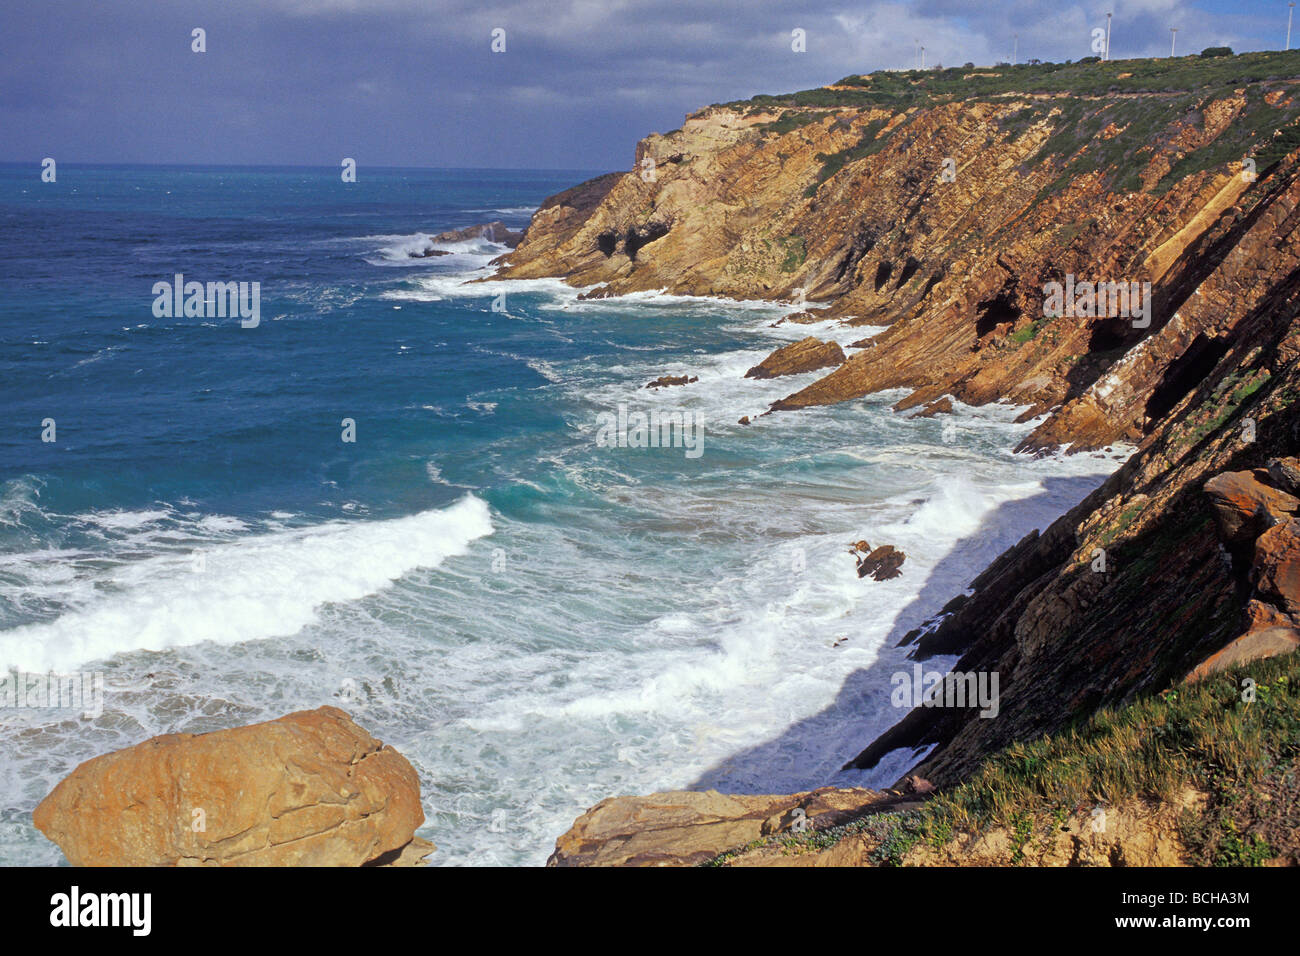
(663, 381)
(309, 789)
(491, 231)
(942, 406)
(882, 564)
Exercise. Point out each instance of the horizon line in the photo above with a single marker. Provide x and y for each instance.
(504, 169)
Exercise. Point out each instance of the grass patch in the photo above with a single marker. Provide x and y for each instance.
(1234, 736)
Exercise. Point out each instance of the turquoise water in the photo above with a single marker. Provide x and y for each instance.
(535, 619)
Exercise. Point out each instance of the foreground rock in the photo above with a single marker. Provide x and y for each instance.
(309, 789)
(684, 828)
(806, 355)
(1251, 646)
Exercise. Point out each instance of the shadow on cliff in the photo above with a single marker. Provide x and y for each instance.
(809, 753)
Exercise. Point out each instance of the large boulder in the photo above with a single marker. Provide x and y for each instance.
(309, 789)
(1244, 505)
(806, 355)
(1276, 567)
(1285, 473)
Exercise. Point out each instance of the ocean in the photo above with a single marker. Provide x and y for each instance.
(535, 617)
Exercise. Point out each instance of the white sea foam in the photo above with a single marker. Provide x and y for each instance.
(248, 588)
(640, 632)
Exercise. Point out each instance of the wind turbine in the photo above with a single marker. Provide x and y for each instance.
(1107, 56)
(1289, 15)
(1173, 40)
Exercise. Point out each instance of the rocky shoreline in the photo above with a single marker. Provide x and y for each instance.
(1142, 611)
(948, 220)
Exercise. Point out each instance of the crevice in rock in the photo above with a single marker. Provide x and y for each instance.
(607, 242)
(909, 269)
(638, 237)
(883, 271)
(1108, 335)
(993, 312)
(1185, 373)
(861, 246)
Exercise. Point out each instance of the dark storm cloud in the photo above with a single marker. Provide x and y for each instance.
(413, 82)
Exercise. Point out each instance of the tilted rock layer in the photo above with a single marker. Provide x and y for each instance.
(309, 789)
(946, 211)
(942, 209)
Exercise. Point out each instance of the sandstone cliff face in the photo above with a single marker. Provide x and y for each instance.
(943, 217)
(309, 789)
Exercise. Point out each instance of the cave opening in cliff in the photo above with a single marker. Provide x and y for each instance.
(1185, 373)
(883, 272)
(1110, 335)
(909, 269)
(637, 238)
(862, 245)
(996, 311)
(607, 242)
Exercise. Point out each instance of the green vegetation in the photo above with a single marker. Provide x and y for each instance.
(1255, 125)
(1108, 115)
(795, 253)
(1126, 518)
(1204, 735)
(1234, 737)
(790, 121)
(1021, 336)
(832, 163)
(1222, 403)
(905, 88)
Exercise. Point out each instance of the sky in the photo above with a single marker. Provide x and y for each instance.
(417, 83)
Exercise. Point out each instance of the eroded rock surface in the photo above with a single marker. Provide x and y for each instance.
(806, 355)
(309, 789)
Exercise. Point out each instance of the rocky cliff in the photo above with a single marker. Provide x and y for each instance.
(940, 205)
(947, 206)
